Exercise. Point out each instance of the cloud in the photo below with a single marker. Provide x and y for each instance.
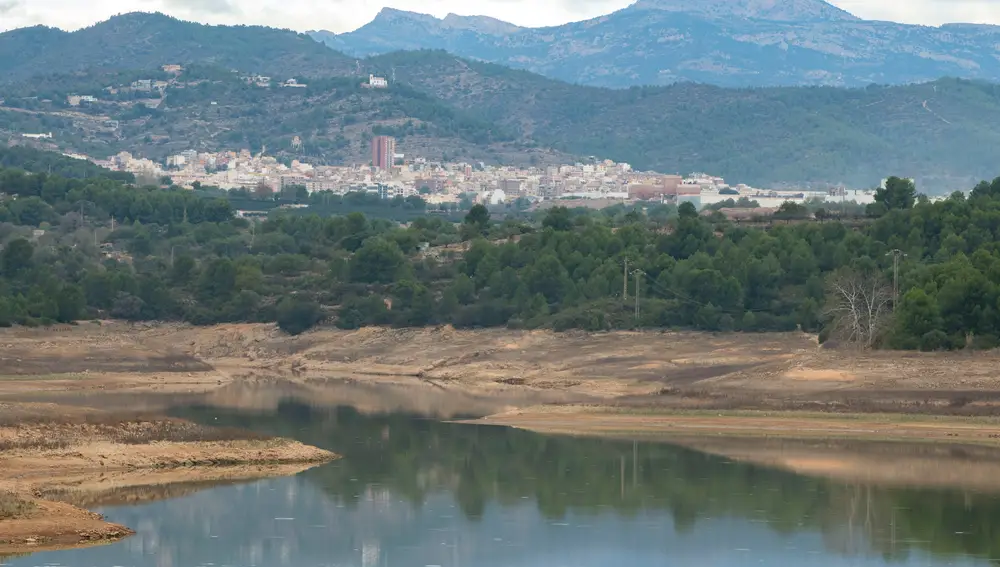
(925, 12)
(345, 15)
(203, 6)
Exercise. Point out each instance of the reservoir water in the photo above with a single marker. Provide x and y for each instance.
(412, 492)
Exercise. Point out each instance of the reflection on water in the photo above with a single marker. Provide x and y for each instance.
(413, 492)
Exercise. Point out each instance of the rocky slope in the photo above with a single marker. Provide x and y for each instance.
(721, 42)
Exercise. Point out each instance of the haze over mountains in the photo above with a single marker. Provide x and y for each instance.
(722, 42)
(941, 133)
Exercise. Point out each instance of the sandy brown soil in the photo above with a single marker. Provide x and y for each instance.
(506, 368)
(681, 385)
(613, 422)
(449, 373)
(967, 467)
(54, 459)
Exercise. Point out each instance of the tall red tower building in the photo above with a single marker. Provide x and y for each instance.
(383, 152)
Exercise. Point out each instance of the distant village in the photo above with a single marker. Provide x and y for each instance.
(390, 174)
(596, 184)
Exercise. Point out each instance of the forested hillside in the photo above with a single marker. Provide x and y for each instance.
(144, 40)
(30, 159)
(210, 108)
(174, 255)
(933, 132)
(939, 133)
(442, 107)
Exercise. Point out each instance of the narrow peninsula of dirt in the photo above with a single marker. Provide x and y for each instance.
(56, 458)
(752, 424)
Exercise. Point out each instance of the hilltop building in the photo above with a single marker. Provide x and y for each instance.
(377, 82)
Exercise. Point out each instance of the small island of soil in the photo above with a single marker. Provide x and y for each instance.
(56, 460)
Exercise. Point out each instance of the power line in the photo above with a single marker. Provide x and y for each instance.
(637, 273)
(896, 254)
(625, 281)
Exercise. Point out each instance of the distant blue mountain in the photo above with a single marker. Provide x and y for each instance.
(737, 43)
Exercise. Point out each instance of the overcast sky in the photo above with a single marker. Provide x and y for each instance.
(345, 15)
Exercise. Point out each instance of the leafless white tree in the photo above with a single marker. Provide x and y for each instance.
(861, 307)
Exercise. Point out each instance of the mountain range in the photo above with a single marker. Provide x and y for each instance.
(440, 106)
(147, 40)
(737, 43)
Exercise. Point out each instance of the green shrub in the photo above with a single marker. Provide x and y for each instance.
(296, 316)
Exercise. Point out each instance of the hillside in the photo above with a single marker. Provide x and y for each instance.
(38, 161)
(722, 42)
(212, 109)
(938, 133)
(445, 107)
(442, 106)
(146, 41)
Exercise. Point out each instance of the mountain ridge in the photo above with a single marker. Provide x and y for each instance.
(748, 43)
(152, 39)
(774, 10)
(438, 104)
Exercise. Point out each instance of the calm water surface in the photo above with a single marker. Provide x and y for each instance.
(417, 493)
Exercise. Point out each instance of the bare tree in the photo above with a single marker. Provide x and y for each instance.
(860, 304)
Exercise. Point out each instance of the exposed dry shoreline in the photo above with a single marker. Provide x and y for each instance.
(507, 369)
(54, 460)
(653, 383)
(754, 424)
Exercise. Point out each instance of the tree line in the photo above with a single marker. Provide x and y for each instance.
(97, 246)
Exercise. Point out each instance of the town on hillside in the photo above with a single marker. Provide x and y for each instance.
(595, 184)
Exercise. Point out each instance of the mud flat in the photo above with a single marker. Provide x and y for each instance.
(789, 425)
(507, 368)
(58, 455)
(894, 464)
(55, 460)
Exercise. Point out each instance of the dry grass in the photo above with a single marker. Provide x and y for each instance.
(144, 432)
(12, 506)
(47, 433)
(32, 443)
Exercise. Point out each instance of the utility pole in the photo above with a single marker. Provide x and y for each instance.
(637, 273)
(896, 255)
(625, 281)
